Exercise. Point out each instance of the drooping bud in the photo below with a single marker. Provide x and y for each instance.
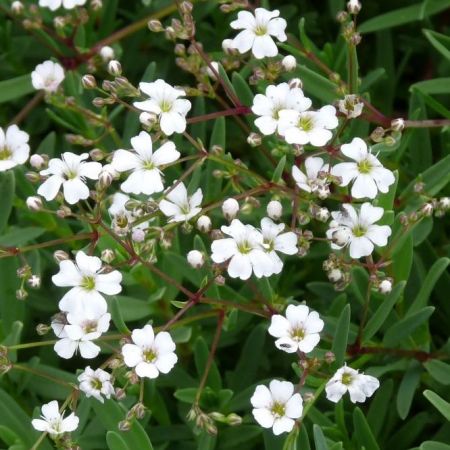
(230, 208)
(204, 224)
(106, 53)
(274, 209)
(34, 203)
(60, 255)
(37, 161)
(196, 259)
(115, 68)
(289, 63)
(88, 81)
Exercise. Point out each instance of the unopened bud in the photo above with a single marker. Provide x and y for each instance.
(42, 329)
(342, 16)
(115, 68)
(444, 203)
(88, 81)
(105, 179)
(124, 425)
(377, 134)
(106, 53)
(354, 7)
(120, 393)
(33, 177)
(186, 7)
(155, 26)
(233, 419)
(398, 124)
(289, 63)
(254, 139)
(227, 46)
(37, 161)
(138, 235)
(148, 119)
(34, 203)
(295, 83)
(196, 259)
(17, 7)
(385, 287)
(108, 256)
(329, 357)
(21, 294)
(274, 209)
(427, 209)
(219, 280)
(204, 224)
(60, 255)
(230, 208)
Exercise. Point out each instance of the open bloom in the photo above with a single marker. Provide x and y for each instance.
(164, 101)
(358, 230)
(71, 172)
(276, 99)
(274, 240)
(55, 4)
(244, 250)
(358, 385)
(367, 172)
(145, 177)
(308, 127)
(14, 148)
(179, 206)
(311, 182)
(47, 76)
(53, 422)
(150, 354)
(87, 282)
(257, 32)
(277, 407)
(299, 330)
(96, 383)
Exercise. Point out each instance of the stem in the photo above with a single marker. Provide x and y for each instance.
(41, 374)
(240, 110)
(32, 344)
(430, 123)
(28, 108)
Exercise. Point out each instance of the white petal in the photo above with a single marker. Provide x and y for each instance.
(335, 390)
(75, 190)
(223, 249)
(244, 41)
(309, 342)
(346, 171)
(261, 398)
(143, 145)
(356, 150)
(148, 370)
(90, 170)
(165, 363)
(166, 154)
(297, 314)
(51, 410)
(132, 355)
(360, 247)
(109, 283)
(294, 406)
(240, 267)
(279, 326)
(68, 274)
(123, 160)
(50, 188)
(264, 46)
(65, 348)
(283, 425)
(379, 234)
(364, 186)
(264, 417)
(143, 337)
(370, 214)
(40, 425)
(70, 423)
(164, 343)
(286, 344)
(281, 391)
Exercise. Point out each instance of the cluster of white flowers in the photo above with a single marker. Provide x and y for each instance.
(14, 148)
(53, 5)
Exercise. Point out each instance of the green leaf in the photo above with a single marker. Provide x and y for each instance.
(402, 256)
(440, 42)
(278, 172)
(224, 77)
(20, 236)
(386, 201)
(435, 86)
(7, 188)
(218, 136)
(438, 402)
(433, 445)
(115, 441)
(15, 88)
(201, 354)
(439, 370)
(363, 433)
(242, 89)
(406, 326)
(407, 389)
(116, 315)
(319, 438)
(340, 340)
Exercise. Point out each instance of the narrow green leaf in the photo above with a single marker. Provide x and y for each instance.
(201, 354)
(7, 188)
(438, 402)
(218, 136)
(116, 315)
(319, 438)
(435, 86)
(15, 88)
(340, 340)
(278, 172)
(439, 370)
(242, 89)
(363, 433)
(115, 441)
(433, 445)
(407, 389)
(440, 42)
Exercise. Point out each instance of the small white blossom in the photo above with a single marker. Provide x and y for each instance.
(96, 383)
(358, 230)
(210, 73)
(358, 385)
(289, 63)
(138, 235)
(298, 331)
(350, 106)
(258, 30)
(311, 181)
(71, 172)
(115, 68)
(14, 148)
(34, 203)
(179, 206)
(227, 45)
(277, 98)
(230, 208)
(385, 287)
(47, 76)
(244, 250)
(165, 102)
(144, 164)
(335, 275)
(87, 282)
(204, 224)
(53, 422)
(274, 209)
(150, 354)
(106, 53)
(53, 5)
(37, 161)
(367, 172)
(308, 127)
(34, 281)
(277, 407)
(195, 259)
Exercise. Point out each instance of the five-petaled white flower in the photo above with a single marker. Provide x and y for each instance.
(14, 148)
(358, 230)
(276, 99)
(165, 102)
(311, 182)
(179, 206)
(47, 76)
(53, 422)
(308, 127)
(277, 407)
(274, 240)
(244, 250)
(145, 164)
(55, 4)
(150, 354)
(298, 331)
(71, 172)
(87, 282)
(358, 385)
(367, 172)
(96, 383)
(257, 32)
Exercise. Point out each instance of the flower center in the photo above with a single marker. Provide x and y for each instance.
(364, 166)
(90, 326)
(306, 123)
(260, 30)
(71, 174)
(359, 231)
(55, 424)
(269, 245)
(165, 106)
(5, 153)
(347, 379)
(96, 384)
(185, 209)
(278, 409)
(148, 165)
(298, 334)
(88, 283)
(150, 355)
(244, 247)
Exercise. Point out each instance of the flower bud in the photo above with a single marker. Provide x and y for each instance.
(108, 256)
(444, 203)
(21, 294)
(196, 259)
(124, 425)
(233, 419)
(274, 209)
(138, 235)
(155, 26)
(34, 203)
(385, 286)
(227, 46)
(209, 71)
(341, 237)
(106, 53)
(289, 63)
(96, 5)
(60, 255)
(398, 124)
(204, 224)
(254, 139)
(33, 177)
(34, 281)
(42, 329)
(17, 7)
(354, 7)
(115, 68)
(88, 81)
(330, 357)
(105, 179)
(335, 275)
(148, 119)
(427, 209)
(323, 214)
(295, 83)
(120, 394)
(377, 134)
(37, 161)
(230, 208)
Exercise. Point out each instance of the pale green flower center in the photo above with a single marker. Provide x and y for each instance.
(261, 30)
(165, 106)
(298, 334)
(71, 174)
(244, 247)
(306, 123)
(359, 231)
(88, 283)
(5, 153)
(364, 166)
(278, 409)
(96, 384)
(347, 378)
(90, 326)
(269, 245)
(149, 355)
(148, 165)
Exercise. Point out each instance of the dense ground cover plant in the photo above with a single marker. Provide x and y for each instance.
(223, 225)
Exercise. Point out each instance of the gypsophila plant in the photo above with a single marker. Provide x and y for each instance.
(223, 225)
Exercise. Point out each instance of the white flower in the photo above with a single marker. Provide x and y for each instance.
(298, 331)
(195, 259)
(106, 53)
(145, 177)
(164, 100)
(96, 383)
(47, 76)
(14, 148)
(358, 230)
(367, 172)
(277, 98)
(87, 283)
(230, 208)
(204, 224)
(79, 332)
(179, 206)
(245, 251)
(274, 209)
(55, 4)
(275, 241)
(289, 63)
(385, 287)
(350, 106)
(308, 127)
(257, 32)
(37, 161)
(53, 421)
(311, 181)
(34, 203)
(358, 385)
(277, 407)
(70, 171)
(150, 354)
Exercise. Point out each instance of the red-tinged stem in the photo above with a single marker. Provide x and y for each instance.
(240, 110)
(429, 123)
